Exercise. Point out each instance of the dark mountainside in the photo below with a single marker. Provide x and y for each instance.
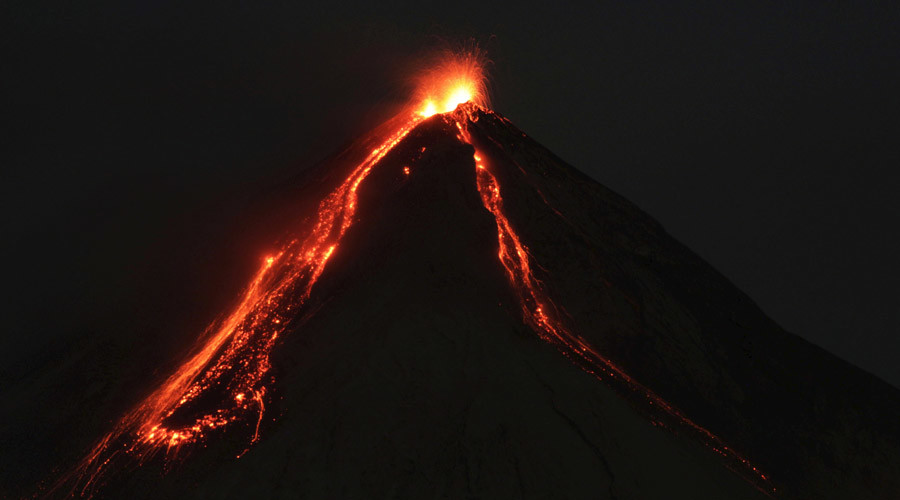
(410, 372)
(821, 427)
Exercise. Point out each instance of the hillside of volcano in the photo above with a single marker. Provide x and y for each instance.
(468, 316)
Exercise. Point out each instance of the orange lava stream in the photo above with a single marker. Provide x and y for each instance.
(542, 316)
(225, 380)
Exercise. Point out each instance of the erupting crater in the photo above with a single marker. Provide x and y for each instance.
(228, 377)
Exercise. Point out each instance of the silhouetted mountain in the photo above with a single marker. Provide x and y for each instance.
(413, 369)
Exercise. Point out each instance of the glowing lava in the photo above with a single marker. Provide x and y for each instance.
(456, 78)
(227, 378)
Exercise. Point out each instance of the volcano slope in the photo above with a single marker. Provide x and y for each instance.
(410, 371)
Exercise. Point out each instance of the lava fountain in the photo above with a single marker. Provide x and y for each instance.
(453, 79)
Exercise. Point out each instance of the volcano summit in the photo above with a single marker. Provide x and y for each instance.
(465, 315)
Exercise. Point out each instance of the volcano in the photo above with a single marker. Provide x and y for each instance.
(463, 315)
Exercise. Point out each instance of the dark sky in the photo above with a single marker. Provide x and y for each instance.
(763, 135)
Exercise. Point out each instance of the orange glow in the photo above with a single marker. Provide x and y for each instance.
(229, 369)
(429, 108)
(406, 170)
(456, 78)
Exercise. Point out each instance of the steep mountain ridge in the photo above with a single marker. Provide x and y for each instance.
(410, 371)
(821, 427)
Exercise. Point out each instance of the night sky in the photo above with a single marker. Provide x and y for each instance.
(763, 135)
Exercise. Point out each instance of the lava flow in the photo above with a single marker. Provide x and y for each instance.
(227, 378)
(229, 370)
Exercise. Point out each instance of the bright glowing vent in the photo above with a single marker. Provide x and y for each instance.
(454, 79)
